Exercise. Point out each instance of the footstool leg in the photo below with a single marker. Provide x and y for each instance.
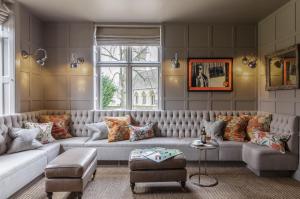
(49, 195)
(182, 184)
(79, 195)
(132, 185)
(94, 174)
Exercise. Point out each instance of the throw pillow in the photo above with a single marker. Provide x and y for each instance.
(258, 122)
(235, 129)
(44, 136)
(214, 129)
(141, 132)
(61, 125)
(118, 128)
(23, 140)
(276, 142)
(99, 130)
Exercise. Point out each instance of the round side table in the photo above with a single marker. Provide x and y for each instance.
(197, 181)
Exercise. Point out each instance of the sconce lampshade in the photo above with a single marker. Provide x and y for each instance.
(76, 61)
(250, 61)
(175, 61)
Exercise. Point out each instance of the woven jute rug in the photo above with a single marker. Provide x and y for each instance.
(112, 182)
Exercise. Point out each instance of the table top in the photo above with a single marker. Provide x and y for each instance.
(206, 146)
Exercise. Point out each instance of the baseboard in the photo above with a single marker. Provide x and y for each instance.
(189, 163)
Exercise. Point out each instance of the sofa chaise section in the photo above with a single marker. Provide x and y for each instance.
(261, 159)
(19, 169)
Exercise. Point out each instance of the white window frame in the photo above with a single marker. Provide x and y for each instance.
(7, 32)
(129, 64)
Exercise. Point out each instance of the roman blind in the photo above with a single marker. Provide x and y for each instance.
(4, 12)
(131, 35)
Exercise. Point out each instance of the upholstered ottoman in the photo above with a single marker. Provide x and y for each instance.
(145, 170)
(71, 171)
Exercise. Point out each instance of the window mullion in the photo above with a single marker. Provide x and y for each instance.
(129, 78)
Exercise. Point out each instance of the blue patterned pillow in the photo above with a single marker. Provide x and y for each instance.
(141, 132)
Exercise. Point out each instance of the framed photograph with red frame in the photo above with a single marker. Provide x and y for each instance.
(210, 74)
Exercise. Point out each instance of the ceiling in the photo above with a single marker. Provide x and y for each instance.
(153, 11)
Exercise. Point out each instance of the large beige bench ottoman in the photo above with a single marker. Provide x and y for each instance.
(71, 171)
(145, 170)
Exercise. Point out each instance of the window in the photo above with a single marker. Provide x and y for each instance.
(7, 97)
(125, 73)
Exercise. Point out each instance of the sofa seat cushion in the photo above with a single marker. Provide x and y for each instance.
(142, 163)
(230, 150)
(71, 164)
(11, 163)
(52, 150)
(152, 142)
(73, 142)
(121, 150)
(266, 159)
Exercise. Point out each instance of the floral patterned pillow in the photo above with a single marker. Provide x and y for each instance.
(44, 136)
(258, 122)
(235, 129)
(141, 132)
(61, 125)
(276, 142)
(118, 128)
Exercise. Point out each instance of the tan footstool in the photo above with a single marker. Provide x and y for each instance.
(71, 171)
(145, 170)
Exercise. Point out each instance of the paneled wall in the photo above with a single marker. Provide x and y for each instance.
(278, 31)
(64, 87)
(29, 82)
(209, 40)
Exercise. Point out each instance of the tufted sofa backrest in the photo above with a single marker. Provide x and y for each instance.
(78, 120)
(287, 124)
(214, 114)
(169, 123)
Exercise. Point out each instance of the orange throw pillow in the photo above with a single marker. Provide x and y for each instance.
(61, 125)
(235, 129)
(118, 128)
(258, 123)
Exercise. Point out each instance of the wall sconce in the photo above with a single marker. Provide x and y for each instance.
(76, 61)
(40, 55)
(250, 61)
(175, 61)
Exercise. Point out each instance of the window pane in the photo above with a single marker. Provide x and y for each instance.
(145, 54)
(113, 53)
(113, 88)
(145, 88)
(6, 96)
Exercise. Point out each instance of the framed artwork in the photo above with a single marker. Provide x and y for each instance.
(210, 74)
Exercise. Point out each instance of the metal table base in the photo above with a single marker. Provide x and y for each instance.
(197, 181)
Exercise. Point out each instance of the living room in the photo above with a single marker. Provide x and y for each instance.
(149, 99)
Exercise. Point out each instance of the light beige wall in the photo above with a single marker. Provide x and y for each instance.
(29, 89)
(64, 87)
(278, 31)
(220, 40)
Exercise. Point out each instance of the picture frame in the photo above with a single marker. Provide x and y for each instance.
(210, 74)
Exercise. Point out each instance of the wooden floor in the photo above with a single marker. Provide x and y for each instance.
(235, 182)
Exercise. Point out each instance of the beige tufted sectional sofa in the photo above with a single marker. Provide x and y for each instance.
(176, 129)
